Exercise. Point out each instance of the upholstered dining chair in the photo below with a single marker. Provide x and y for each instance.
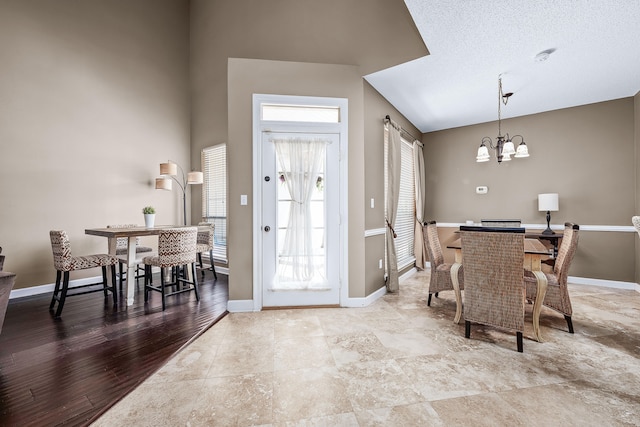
(176, 248)
(494, 291)
(64, 263)
(557, 296)
(440, 278)
(205, 244)
(122, 243)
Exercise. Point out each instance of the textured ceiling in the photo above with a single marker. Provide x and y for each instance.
(472, 42)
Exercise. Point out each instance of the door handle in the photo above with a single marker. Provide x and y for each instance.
(267, 228)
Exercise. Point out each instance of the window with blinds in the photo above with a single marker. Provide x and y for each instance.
(214, 196)
(405, 218)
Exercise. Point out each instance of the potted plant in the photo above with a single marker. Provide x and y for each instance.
(149, 216)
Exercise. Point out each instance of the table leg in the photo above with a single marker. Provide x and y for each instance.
(131, 269)
(456, 288)
(537, 305)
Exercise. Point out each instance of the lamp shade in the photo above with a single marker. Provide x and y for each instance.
(522, 150)
(168, 168)
(163, 184)
(548, 202)
(195, 177)
(508, 149)
(483, 154)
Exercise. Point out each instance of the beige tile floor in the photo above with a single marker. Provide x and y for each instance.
(400, 363)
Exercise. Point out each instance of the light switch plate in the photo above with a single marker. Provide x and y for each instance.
(483, 189)
(243, 199)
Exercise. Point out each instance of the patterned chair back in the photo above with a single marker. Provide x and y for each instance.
(434, 249)
(566, 251)
(61, 248)
(177, 246)
(205, 237)
(122, 243)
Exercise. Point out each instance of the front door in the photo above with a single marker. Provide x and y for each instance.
(300, 218)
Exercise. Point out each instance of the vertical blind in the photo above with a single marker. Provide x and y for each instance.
(405, 218)
(214, 196)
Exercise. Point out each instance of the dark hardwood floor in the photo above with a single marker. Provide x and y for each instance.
(69, 371)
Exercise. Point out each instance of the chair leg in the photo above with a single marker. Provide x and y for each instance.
(55, 290)
(195, 281)
(147, 273)
(467, 329)
(162, 284)
(120, 273)
(105, 284)
(63, 295)
(519, 340)
(429, 299)
(437, 294)
(114, 288)
(213, 266)
(569, 323)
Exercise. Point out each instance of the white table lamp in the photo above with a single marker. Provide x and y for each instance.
(548, 202)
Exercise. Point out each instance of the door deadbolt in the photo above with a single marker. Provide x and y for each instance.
(267, 228)
(267, 178)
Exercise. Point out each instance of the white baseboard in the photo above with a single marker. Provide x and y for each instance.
(603, 283)
(366, 301)
(240, 306)
(48, 288)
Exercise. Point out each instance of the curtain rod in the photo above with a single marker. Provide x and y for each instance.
(387, 119)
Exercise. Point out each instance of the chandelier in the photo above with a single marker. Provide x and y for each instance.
(504, 143)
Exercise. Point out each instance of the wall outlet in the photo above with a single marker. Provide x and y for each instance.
(373, 203)
(380, 264)
(243, 199)
(483, 189)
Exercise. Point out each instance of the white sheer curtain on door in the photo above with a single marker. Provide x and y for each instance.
(419, 245)
(300, 265)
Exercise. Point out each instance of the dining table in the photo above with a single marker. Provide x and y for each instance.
(534, 251)
(131, 233)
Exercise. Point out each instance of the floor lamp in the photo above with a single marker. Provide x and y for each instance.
(169, 172)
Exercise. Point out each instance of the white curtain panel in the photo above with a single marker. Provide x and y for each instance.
(392, 137)
(301, 161)
(419, 245)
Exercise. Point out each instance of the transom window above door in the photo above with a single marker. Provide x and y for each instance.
(300, 113)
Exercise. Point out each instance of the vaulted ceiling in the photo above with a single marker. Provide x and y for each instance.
(595, 57)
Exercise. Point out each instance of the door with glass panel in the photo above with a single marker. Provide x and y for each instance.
(300, 219)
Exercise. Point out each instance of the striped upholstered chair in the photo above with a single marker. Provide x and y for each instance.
(557, 296)
(64, 263)
(440, 279)
(122, 243)
(494, 291)
(205, 244)
(176, 248)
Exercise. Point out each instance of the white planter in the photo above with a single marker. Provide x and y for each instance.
(149, 220)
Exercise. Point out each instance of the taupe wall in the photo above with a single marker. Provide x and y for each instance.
(247, 77)
(636, 112)
(94, 95)
(586, 154)
(365, 35)
(376, 108)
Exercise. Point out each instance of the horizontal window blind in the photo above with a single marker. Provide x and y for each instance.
(406, 204)
(405, 217)
(214, 196)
